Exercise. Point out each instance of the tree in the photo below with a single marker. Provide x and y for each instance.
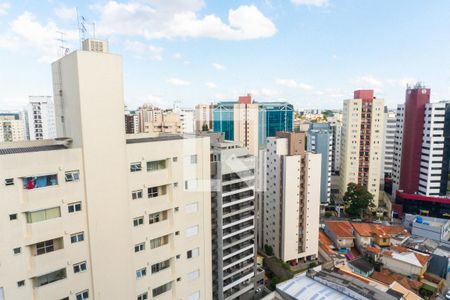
(205, 127)
(268, 249)
(357, 200)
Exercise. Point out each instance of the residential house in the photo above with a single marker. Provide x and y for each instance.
(340, 233)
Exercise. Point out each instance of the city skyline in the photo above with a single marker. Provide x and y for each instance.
(312, 53)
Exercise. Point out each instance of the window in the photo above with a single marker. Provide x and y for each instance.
(9, 181)
(157, 217)
(194, 159)
(43, 215)
(77, 237)
(143, 296)
(152, 192)
(21, 283)
(74, 207)
(36, 182)
(175, 159)
(141, 273)
(193, 275)
(194, 296)
(72, 176)
(45, 247)
(190, 184)
(79, 267)
(158, 242)
(135, 167)
(17, 250)
(191, 231)
(160, 266)
(156, 165)
(138, 221)
(13, 217)
(139, 247)
(136, 194)
(50, 277)
(193, 253)
(192, 207)
(162, 289)
(82, 295)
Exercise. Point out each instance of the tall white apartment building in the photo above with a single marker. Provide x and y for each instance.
(12, 128)
(336, 128)
(388, 143)
(203, 116)
(233, 219)
(97, 215)
(435, 157)
(186, 116)
(398, 144)
(362, 142)
(41, 118)
(291, 198)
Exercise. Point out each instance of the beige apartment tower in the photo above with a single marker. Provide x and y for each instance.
(98, 214)
(291, 206)
(362, 142)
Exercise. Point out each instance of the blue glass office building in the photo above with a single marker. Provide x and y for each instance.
(273, 117)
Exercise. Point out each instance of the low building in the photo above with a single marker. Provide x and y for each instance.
(405, 261)
(361, 266)
(369, 234)
(433, 228)
(340, 233)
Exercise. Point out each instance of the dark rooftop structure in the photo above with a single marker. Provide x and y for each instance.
(9, 148)
(136, 140)
(362, 265)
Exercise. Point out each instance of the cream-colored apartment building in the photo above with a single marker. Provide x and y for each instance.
(291, 208)
(12, 129)
(203, 116)
(102, 215)
(362, 142)
(155, 120)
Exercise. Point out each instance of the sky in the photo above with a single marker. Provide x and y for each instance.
(312, 53)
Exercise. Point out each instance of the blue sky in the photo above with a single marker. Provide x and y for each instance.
(312, 53)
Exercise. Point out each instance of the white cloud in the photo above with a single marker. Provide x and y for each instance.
(211, 85)
(180, 19)
(402, 82)
(218, 66)
(177, 56)
(66, 13)
(318, 3)
(4, 7)
(26, 34)
(368, 81)
(177, 82)
(291, 83)
(144, 50)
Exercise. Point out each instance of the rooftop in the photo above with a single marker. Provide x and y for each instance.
(370, 229)
(388, 277)
(408, 256)
(8, 148)
(361, 264)
(305, 288)
(135, 139)
(342, 229)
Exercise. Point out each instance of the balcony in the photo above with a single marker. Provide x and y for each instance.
(238, 209)
(238, 176)
(239, 268)
(236, 259)
(46, 262)
(238, 197)
(238, 238)
(239, 289)
(237, 219)
(229, 252)
(239, 228)
(237, 192)
(237, 279)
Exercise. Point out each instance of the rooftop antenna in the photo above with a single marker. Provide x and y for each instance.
(84, 22)
(62, 48)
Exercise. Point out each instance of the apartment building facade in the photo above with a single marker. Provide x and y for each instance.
(336, 127)
(398, 145)
(12, 128)
(153, 119)
(40, 118)
(388, 143)
(362, 142)
(203, 116)
(320, 140)
(233, 220)
(291, 198)
(99, 215)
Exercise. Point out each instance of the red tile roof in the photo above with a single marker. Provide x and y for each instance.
(325, 243)
(373, 250)
(342, 229)
(370, 229)
(388, 277)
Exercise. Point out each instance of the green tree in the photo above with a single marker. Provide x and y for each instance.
(357, 200)
(327, 113)
(268, 249)
(205, 127)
